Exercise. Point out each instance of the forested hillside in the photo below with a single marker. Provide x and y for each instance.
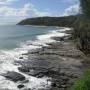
(50, 21)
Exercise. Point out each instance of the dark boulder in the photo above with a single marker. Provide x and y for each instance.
(14, 76)
(20, 86)
(20, 57)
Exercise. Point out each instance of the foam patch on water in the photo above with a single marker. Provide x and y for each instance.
(8, 57)
(7, 85)
(37, 83)
(41, 83)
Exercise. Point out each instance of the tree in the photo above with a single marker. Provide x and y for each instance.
(85, 7)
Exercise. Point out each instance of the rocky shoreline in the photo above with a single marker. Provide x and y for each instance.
(61, 61)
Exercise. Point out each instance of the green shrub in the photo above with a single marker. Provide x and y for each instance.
(83, 83)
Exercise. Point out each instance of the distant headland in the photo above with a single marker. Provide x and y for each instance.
(66, 21)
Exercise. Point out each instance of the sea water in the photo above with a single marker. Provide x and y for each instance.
(17, 40)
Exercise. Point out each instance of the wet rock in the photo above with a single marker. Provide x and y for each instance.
(20, 57)
(58, 38)
(37, 68)
(40, 75)
(33, 71)
(36, 51)
(27, 89)
(53, 84)
(24, 69)
(20, 86)
(14, 76)
(65, 78)
(25, 81)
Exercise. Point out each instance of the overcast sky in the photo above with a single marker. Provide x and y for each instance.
(12, 11)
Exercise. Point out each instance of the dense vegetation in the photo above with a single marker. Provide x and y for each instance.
(82, 34)
(85, 5)
(50, 21)
(82, 27)
(83, 83)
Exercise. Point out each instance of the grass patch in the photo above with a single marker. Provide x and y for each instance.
(83, 83)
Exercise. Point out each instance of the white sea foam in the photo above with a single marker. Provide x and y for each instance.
(7, 59)
(39, 83)
(7, 85)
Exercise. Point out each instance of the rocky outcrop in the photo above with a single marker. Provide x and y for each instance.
(14, 76)
(61, 61)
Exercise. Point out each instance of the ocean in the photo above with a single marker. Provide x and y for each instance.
(12, 36)
(16, 40)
